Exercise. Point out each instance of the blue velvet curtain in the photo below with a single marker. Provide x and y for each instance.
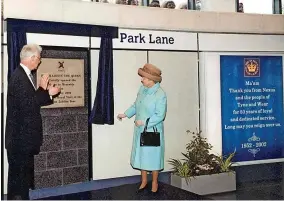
(103, 107)
(16, 39)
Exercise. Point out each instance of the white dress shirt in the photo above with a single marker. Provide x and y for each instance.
(28, 72)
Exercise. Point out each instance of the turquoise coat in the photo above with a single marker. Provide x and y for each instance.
(150, 102)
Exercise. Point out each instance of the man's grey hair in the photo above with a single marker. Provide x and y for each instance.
(30, 50)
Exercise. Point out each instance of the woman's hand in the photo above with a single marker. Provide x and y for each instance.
(139, 123)
(121, 116)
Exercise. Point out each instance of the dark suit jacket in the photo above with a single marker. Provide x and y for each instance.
(23, 121)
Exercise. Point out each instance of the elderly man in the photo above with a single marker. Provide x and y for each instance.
(23, 136)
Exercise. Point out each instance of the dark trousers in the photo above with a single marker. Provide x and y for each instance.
(20, 175)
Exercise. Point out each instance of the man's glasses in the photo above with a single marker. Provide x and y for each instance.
(39, 58)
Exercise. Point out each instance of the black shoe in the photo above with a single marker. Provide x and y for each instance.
(140, 190)
(156, 192)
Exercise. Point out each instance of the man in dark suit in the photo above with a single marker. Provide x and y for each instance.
(24, 136)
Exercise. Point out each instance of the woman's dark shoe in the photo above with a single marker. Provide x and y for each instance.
(140, 190)
(155, 192)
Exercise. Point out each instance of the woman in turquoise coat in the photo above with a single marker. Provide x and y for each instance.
(151, 102)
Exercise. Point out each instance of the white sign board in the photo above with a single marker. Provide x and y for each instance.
(152, 40)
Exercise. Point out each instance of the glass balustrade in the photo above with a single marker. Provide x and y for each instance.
(170, 4)
(260, 6)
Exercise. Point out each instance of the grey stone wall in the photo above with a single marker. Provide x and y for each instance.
(64, 157)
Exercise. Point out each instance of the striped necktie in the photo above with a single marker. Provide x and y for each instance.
(33, 80)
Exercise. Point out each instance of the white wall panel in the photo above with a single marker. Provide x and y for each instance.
(55, 40)
(4, 112)
(4, 38)
(112, 143)
(58, 40)
(240, 42)
(180, 82)
(210, 99)
(1, 90)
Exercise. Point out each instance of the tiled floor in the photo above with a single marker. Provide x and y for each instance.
(273, 190)
(249, 191)
(128, 192)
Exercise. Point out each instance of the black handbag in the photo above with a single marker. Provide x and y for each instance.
(150, 138)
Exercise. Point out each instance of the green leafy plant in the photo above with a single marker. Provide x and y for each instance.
(198, 160)
(225, 162)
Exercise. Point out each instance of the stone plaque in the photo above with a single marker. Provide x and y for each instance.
(67, 74)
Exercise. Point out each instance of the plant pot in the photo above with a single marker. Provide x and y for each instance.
(207, 184)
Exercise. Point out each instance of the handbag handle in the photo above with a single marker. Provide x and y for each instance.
(146, 125)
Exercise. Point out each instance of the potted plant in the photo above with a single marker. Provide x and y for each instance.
(202, 172)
